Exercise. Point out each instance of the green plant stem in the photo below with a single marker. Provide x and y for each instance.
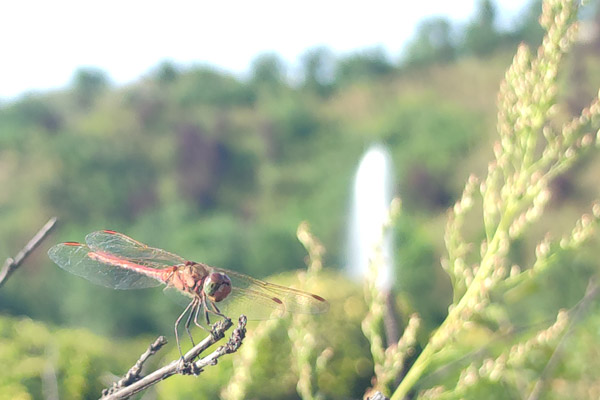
(414, 373)
(444, 332)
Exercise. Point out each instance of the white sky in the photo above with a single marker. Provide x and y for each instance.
(43, 42)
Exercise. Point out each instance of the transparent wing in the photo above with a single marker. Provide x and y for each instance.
(270, 294)
(123, 246)
(254, 305)
(177, 296)
(111, 272)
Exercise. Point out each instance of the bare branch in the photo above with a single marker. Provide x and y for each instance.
(11, 264)
(134, 374)
(185, 366)
(378, 396)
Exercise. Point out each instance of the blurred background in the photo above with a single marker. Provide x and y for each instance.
(214, 130)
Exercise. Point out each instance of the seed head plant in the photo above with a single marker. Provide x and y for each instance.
(531, 151)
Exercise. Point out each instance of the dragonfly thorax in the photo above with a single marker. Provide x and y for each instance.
(199, 280)
(187, 278)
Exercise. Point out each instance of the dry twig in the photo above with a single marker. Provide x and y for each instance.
(11, 264)
(187, 366)
(134, 373)
(378, 396)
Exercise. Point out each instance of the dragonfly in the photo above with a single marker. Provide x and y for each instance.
(114, 260)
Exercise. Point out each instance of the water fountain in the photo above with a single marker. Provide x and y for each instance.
(371, 200)
(372, 194)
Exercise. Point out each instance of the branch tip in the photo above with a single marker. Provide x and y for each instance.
(11, 264)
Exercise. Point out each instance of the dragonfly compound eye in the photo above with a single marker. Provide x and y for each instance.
(217, 286)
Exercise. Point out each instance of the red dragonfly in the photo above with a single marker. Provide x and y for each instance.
(117, 261)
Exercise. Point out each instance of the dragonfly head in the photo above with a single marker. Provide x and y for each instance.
(217, 286)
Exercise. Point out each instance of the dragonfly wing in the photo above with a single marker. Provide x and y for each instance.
(78, 259)
(294, 300)
(241, 301)
(177, 296)
(254, 305)
(123, 246)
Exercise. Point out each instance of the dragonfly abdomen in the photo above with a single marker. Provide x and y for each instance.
(120, 262)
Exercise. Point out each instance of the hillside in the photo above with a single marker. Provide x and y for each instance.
(223, 171)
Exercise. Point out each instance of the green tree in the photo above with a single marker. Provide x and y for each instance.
(88, 83)
(268, 70)
(529, 30)
(34, 110)
(481, 35)
(206, 85)
(318, 66)
(364, 65)
(433, 42)
(166, 72)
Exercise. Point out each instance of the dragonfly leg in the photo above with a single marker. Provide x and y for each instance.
(216, 310)
(199, 306)
(177, 325)
(206, 315)
(205, 309)
(210, 308)
(189, 320)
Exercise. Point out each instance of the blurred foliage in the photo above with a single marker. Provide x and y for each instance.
(365, 65)
(222, 170)
(38, 361)
(433, 42)
(268, 72)
(318, 67)
(481, 36)
(88, 83)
